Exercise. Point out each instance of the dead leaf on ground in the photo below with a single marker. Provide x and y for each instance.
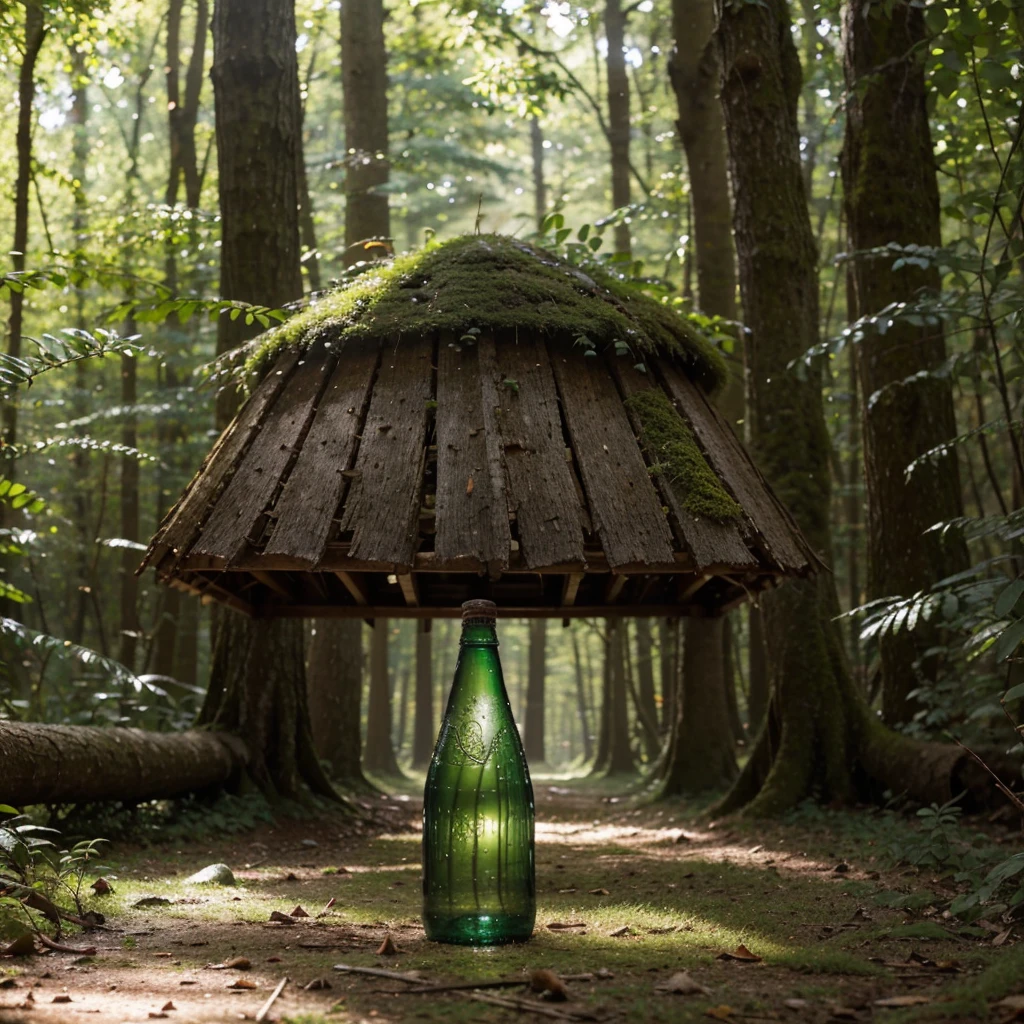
(387, 947)
(795, 1004)
(243, 983)
(550, 985)
(1011, 1003)
(101, 887)
(682, 984)
(157, 1014)
(619, 932)
(168, 1006)
(298, 912)
(563, 926)
(895, 1002)
(281, 918)
(316, 985)
(23, 945)
(8, 983)
(999, 939)
(62, 999)
(603, 973)
(742, 954)
(599, 892)
(722, 1012)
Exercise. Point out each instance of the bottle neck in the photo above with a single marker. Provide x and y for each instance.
(478, 634)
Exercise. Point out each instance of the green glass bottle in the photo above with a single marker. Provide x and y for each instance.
(478, 870)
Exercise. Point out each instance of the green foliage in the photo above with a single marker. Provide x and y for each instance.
(38, 877)
(673, 450)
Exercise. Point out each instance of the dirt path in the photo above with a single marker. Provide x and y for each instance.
(803, 899)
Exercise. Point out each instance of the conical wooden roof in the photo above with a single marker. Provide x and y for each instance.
(480, 420)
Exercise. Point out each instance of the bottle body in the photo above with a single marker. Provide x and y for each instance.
(478, 814)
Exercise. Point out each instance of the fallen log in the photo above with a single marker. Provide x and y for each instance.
(84, 763)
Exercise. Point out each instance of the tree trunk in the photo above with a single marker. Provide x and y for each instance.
(379, 753)
(819, 738)
(128, 634)
(620, 754)
(699, 760)
(35, 33)
(647, 709)
(540, 189)
(694, 75)
(74, 764)
(668, 632)
(424, 730)
(257, 676)
(618, 115)
(364, 75)
(335, 689)
(729, 681)
(891, 195)
(582, 710)
(757, 670)
(604, 729)
(533, 744)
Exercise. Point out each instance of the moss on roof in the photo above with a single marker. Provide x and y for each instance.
(494, 282)
(673, 450)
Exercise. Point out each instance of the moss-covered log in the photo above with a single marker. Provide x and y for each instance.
(85, 764)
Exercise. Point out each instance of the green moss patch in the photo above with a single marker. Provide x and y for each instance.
(673, 450)
(493, 282)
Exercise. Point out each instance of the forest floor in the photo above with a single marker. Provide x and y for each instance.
(804, 921)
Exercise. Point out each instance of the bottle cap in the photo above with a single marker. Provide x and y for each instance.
(480, 609)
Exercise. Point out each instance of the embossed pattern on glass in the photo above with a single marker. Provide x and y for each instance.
(478, 868)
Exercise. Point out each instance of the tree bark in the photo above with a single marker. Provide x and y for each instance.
(364, 75)
(534, 743)
(63, 764)
(257, 678)
(334, 686)
(424, 730)
(668, 632)
(757, 670)
(699, 760)
(379, 754)
(891, 195)
(819, 739)
(618, 116)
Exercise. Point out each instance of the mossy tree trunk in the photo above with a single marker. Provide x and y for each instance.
(619, 128)
(364, 76)
(699, 759)
(379, 753)
(693, 72)
(534, 741)
(820, 738)
(257, 677)
(335, 690)
(891, 195)
(424, 731)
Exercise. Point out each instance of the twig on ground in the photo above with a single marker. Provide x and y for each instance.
(460, 985)
(265, 1008)
(378, 972)
(59, 947)
(1000, 785)
(529, 1005)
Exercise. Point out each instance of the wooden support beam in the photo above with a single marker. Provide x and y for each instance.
(355, 586)
(689, 587)
(274, 581)
(614, 587)
(570, 588)
(408, 584)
